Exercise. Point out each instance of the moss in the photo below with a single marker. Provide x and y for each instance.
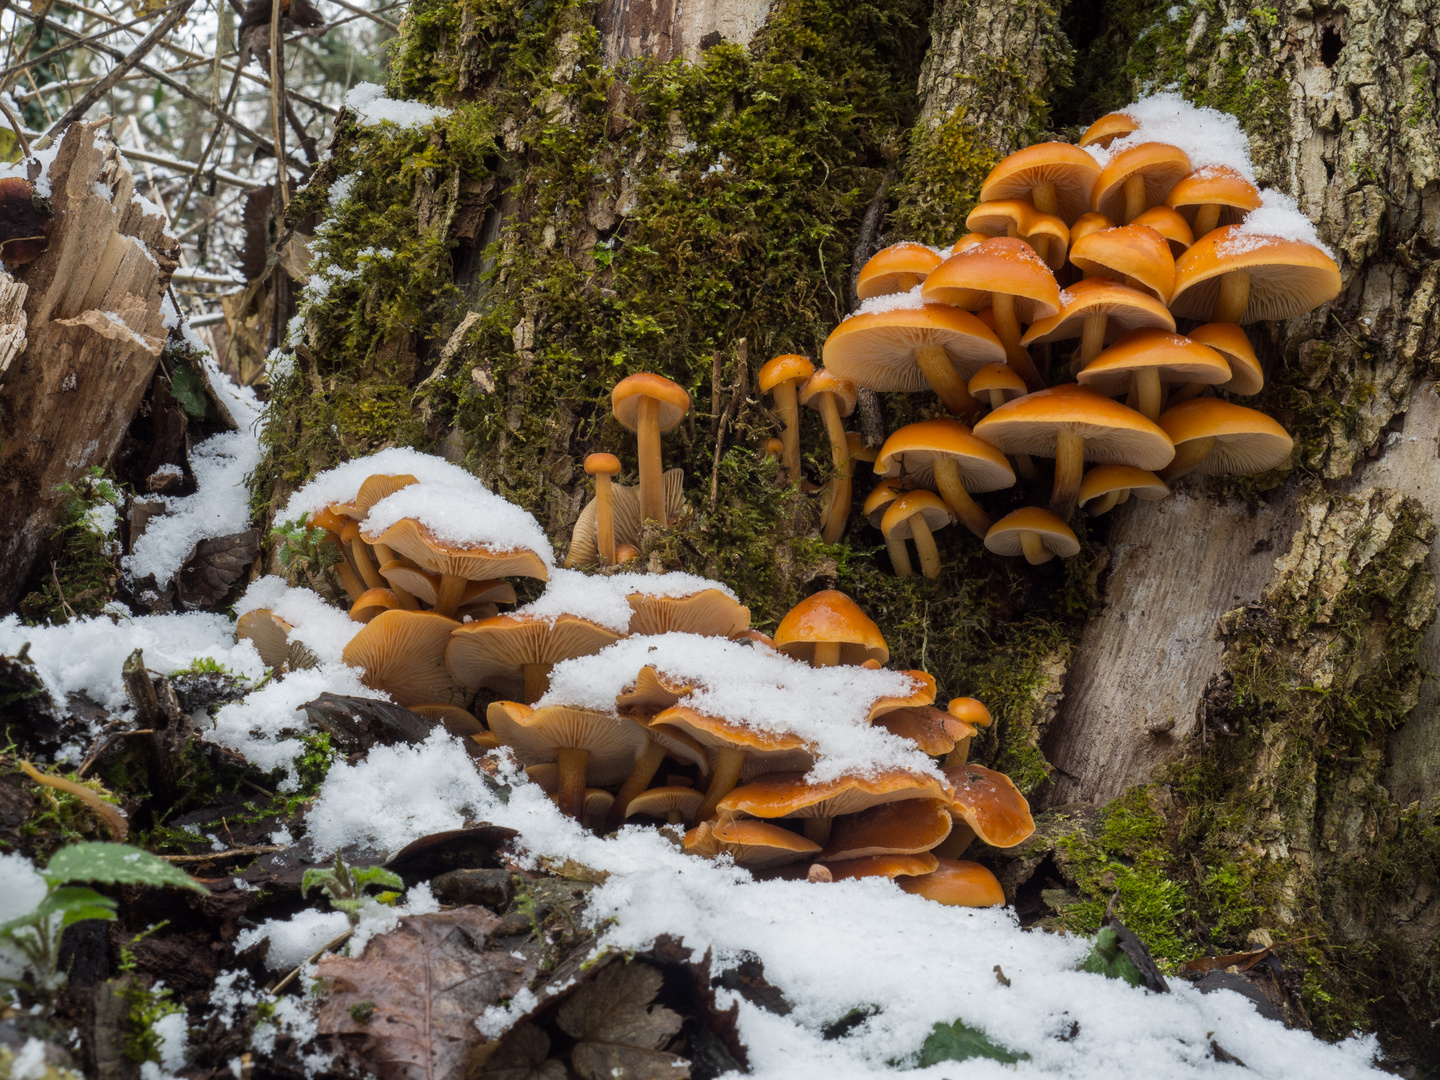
(83, 568)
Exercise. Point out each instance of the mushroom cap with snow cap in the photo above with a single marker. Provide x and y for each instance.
(1112, 432)
(538, 735)
(969, 240)
(881, 496)
(403, 653)
(418, 544)
(653, 692)
(1246, 375)
(877, 349)
(1000, 377)
(957, 883)
(1107, 129)
(922, 693)
(1129, 253)
(825, 381)
(1124, 309)
(371, 603)
(911, 451)
(1004, 537)
(424, 585)
(1104, 479)
(790, 795)
(662, 801)
(672, 398)
(896, 524)
(496, 650)
(1169, 224)
(715, 733)
(1287, 277)
(889, 866)
(897, 268)
(269, 633)
(969, 710)
(1172, 357)
(788, 367)
(752, 844)
(934, 732)
(1246, 440)
(991, 804)
(708, 612)
(1069, 169)
(831, 617)
(376, 487)
(898, 828)
(1002, 265)
(1214, 185)
(1159, 165)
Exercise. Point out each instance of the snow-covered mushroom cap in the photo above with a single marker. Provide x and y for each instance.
(1287, 277)
(1218, 186)
(896, 269)
(1000, 265)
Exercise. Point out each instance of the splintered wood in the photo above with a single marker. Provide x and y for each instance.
(81, 331)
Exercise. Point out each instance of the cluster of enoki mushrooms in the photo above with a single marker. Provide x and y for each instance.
(1141, 244)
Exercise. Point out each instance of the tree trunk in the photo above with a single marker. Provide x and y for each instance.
(1221, 704)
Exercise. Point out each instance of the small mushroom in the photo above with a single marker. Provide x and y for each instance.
(1143, 362)
(876, 503)
(1216, 437)
(1107, 129)
(361, 555)
(1036, 533)
(603, 467)
(1098, 310)
(625, 553)
(932, 731)
(425, 586)
(1107, 486)
(973, 714)
(780, 378)
(674, 804)
(828, 628)
(662, 742)
(995, 384)
(516, 652)
(833, 398)
(895, 269)
(589, 746)
(915, 516)
(1234, 277)
(752, 844)
(957, 884)
(1087, 224)
(1134, 254)
(372, 602)
(457, 565)
(1212, 196)
(403, 653)
(1137, 179)
(946, 454)
(1229, 340)
(1046, 233)
(889, 866)
(734, 746)
(648, 405)
(269, 633)
(898, 828)
(1054, 177)
(1169, 224)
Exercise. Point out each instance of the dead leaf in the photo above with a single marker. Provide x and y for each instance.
(418, 990)
(1243, 961)
(524, 1056)
(208, 574)
(619, 1032)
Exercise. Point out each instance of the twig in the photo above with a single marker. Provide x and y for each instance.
(64, 604)
(58, 50)
(19, 132)
(184, 200)
(315, 955)
(219, 856)
(368, 15)
(277, 122)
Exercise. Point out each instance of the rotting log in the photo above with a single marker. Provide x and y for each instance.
(95, 332)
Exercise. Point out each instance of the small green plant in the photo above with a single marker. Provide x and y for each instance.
(345, 886)
(35, 936)
(83, 574)
(313, 763)
(144, 1005)
(205, 665)
(302, 547)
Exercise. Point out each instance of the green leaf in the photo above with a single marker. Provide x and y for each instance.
(188, 388)
(115, 864)
(1107, 958)
(377, 875)
(76, 903)
(960, 1042)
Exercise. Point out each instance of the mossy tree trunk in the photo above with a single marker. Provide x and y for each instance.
(621, 188)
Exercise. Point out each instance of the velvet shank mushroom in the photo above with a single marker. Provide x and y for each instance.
(512, 652)
(1246, 375)
(827, 629)
(1213, 436)
(674, 804)
(1137, 179)
(1144, 361)
(456, 564)
(995, 384)
(895, 269)
(1033, 532)
(371, 603)
(1054, 177)
(1169, 224)
(876, 503)
(708, 612)
(649, 404)
(898, 828)
(957, 884)
(1236, 277)
(1046, 233)
(887, 866)
(590, 747)
(1212, 196)
(734, 746)
(990, 804)
(1107, 129)
(269, 633)
(603, 467)
(946, 454)
(779, 378)
(789, 795)
(1107, 486)
(1097, 310)
(915, 516)
(403, 653)
(756, 845)
(1134, 254)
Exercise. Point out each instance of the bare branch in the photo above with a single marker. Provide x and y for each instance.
(368, 15)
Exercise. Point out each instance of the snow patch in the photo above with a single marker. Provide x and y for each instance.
(373, 108)
(1208, 136)
(901, 301)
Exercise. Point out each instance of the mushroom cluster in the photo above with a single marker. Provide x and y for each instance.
(1148, 266)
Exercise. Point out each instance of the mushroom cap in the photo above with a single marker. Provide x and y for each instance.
(1002, 265)
(896, 524)
(1176, 358)
(1087, 224)
(1112, 432)
(1103, 479)
(1246, 441)
(716, 733)
(933, 731)
(774, 446)
(781, 795)
(625, 553)
(403, 653)
(375, 488)
(413, 540)
(755, 638)
(991, 804)
(1246, 375)
(890, 866)
(825, 381)
(1004, 536)
(832, 617)
(1174, 228)
(1161, 165)
(957, 883)
(1214, 185)
(602, 465)
(631, 390)
(880, 497)
(498, 648)
(855, 444)
(680, 746)
(1069, 168)
(1000, 377)
(1137, 252)
(885, 271)
(1107, 129)
(877, 349)
(1287, 277)
(661, 801)
(538, 735)
(708, 612)
(999, 217)
(1124, 309)
(913, 450)
(899, 828)
(457, 721)
(969, 240)
(788, 367)
(269, 633)
(970, 711)
(653, 692)
(1056, 232)
(327, 519)
(625, 511)
(922, 693)
(371, 603)
(425, 586)
(753, 844)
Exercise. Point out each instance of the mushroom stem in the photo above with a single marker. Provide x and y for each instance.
(838, 513)
(604, 518)
(1092, 338)
(652, 472)
(789, 409)
(925, 546)
(906, 282)
(1185, 392)
(1041, 245)
(940, 373)
(1007, 328)
(1146, 383)
(1025, 467)
(449, 595)
(638, 780)
(835, 428)
(1134, 197)
(353, 586)
(1069, 466)
(360, 552)
(899, 556)
(960, 753)
(1234, 296)
(1206, 218)
(827, 654)
(722, 780)
(1103, 504)
(1042, 197)
(1034, 548)
(572, 781)
(997, 398)
(537, 681)
(1187, 456)
(818, 828)
(952, 490)
(1122, 496)
(954, 845)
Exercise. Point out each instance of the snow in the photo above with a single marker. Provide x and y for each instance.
(1208, 136)
(29, 1063)
(601, 599)
(291, 941)
(916, 962)
(342, 483)
(463, 512)
(901, 301)
(1278, 217)
(45, 157)
(373, 108)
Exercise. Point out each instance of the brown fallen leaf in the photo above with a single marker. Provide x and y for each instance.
(214, 566)
(1243, 961)
(525, 1055)
(414, 995)
(618, 1032)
